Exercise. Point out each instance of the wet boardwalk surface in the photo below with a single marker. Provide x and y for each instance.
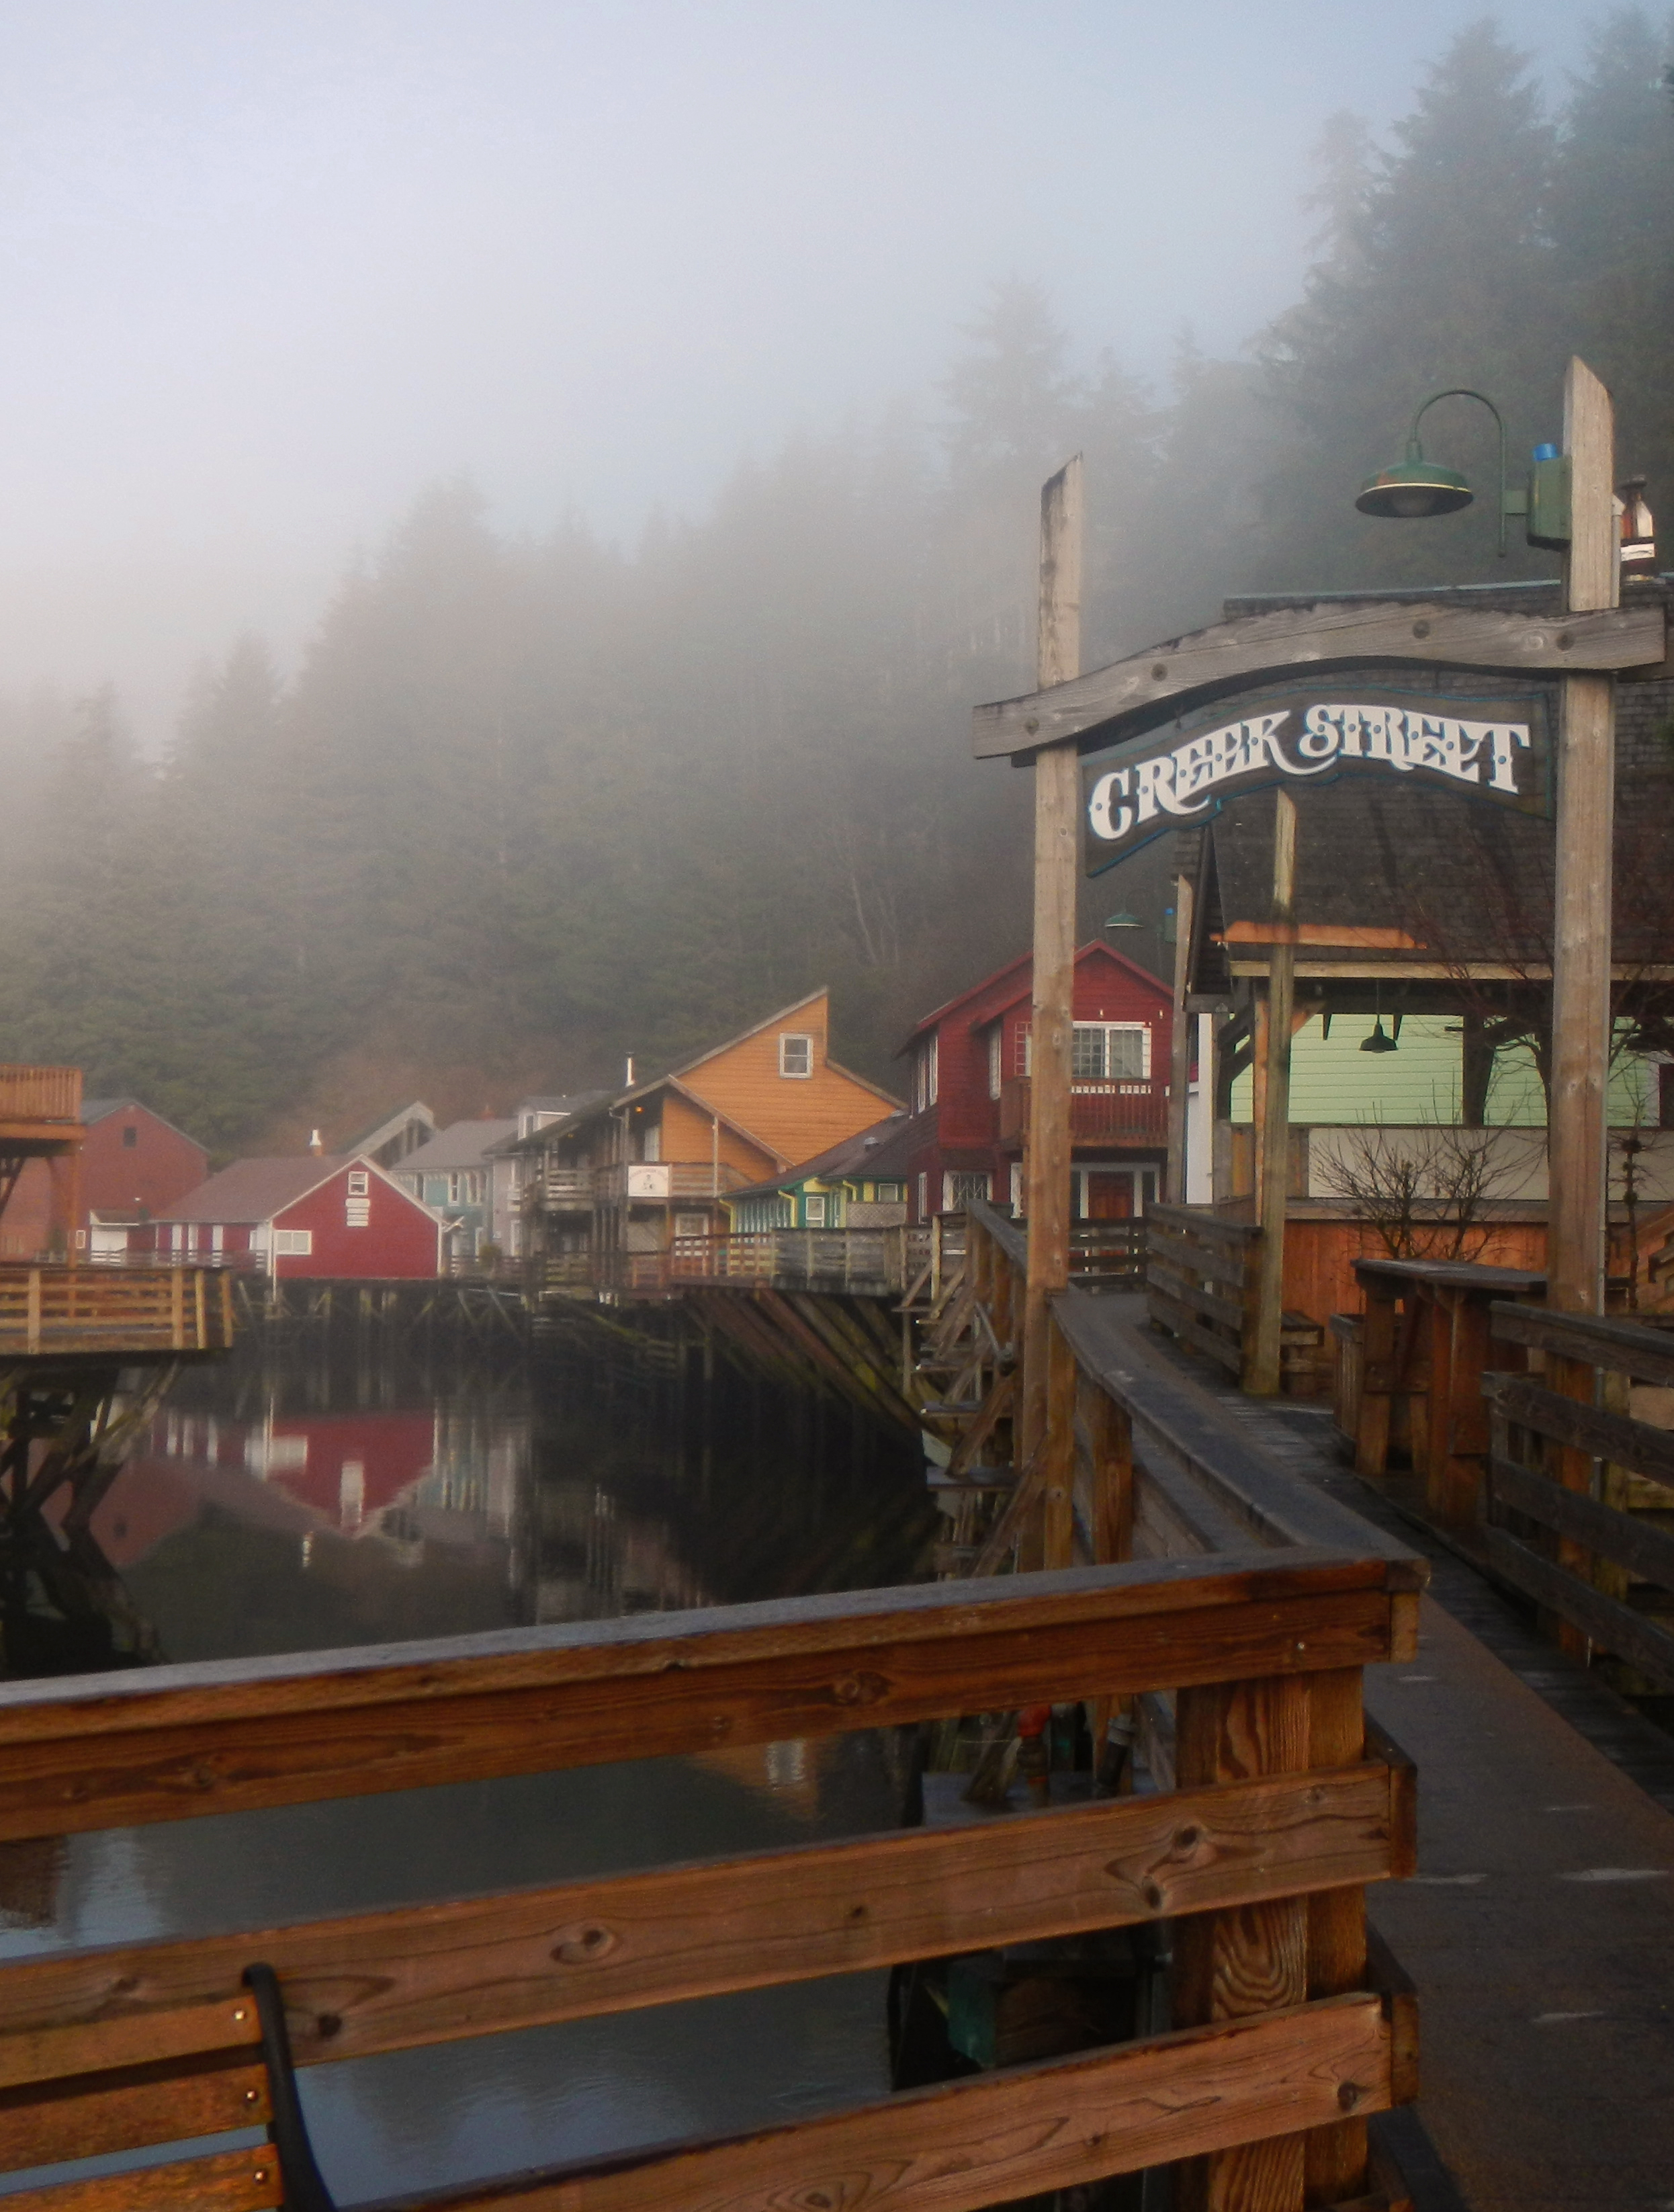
(1540, 1930)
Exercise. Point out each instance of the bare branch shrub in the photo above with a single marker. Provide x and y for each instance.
(1425, 1191)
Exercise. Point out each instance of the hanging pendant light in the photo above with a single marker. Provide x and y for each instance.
(1379, 1041)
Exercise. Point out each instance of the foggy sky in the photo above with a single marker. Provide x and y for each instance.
(271, 270)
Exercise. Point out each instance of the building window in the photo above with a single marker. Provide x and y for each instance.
(890, 1193)
(1017, 1188)
(650, 1142)
(960, 1186)
(995, 1058)
(796, 1055)
(293, 1243)
(813, 1209)
(1110, 1052)
(130, 1136)
(924, 1195)
(691, 1224)
(360, 1182)
(927, 1073)
(1022, 1048)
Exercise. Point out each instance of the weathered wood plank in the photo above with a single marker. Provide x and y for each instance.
(387, 1981)
(1174, 1279)
(1610, 1625)
(965, 2145)
(227, 2181)
(1623, 1538)
(1627, 1346)
(1322, 637)
(175, 1742)
(65, 2041)
(1186, 1326)
(1633, 1444)
(1335, 2158)
(90, 2115)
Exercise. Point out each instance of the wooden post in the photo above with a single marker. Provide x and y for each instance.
(1581, 931)
(1577, 1145)
(1335, 2157)
(1273, 1131)
(1057, 818)
(1253, 1958)
(1179, 1057)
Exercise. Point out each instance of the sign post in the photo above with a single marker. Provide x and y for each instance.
(1577, 1141)
(1057, 843)
(1273, 1130)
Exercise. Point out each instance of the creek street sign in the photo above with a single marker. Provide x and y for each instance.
(1493, 748)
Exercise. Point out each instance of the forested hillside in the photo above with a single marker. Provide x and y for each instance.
(529, 805)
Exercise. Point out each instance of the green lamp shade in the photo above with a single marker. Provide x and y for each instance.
(1413, 490)
(1123, 921)
(1379, 1040)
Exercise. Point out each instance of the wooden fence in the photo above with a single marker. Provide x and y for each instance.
(1201, 1281)
(50, 1310)
(1579, 1493)
(1272, 1828)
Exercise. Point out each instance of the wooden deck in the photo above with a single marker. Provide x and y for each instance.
(137, 1314)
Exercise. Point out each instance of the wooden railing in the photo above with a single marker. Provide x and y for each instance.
(40, 1094)
(1579, 1493)
(63, 1309)
(1270, 1828)
(864, 1262)
(1124, 1111)
(1201, 1281)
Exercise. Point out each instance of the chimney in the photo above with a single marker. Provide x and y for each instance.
(315, 1142)
(628, 1082)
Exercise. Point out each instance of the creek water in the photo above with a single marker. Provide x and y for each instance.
(334, 1491)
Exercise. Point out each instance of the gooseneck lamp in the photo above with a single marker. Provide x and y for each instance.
(1416, 488)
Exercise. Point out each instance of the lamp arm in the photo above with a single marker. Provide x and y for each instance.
(1416, 452)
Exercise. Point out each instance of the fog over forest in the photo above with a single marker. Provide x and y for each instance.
(534, 793)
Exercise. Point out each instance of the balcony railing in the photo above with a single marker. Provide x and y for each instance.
(40, 1094)
(653, 1181)
(1123, 1111)
(60, 1309)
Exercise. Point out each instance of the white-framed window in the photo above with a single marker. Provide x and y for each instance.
(650, 1142)
(960, 1186)
(889, 1194)
(293, 1243)
(813, 1209)
(924, 1195)
(927, 1073)
(995, 1058)
(1110, 1052)
(360, 1182)
(691, 1224)
(796, 1054)
(218, 1237)
(1022, 1048)
(1017, 1188)
(453, 1189)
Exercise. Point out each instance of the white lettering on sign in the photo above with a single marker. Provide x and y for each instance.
(1183, 782)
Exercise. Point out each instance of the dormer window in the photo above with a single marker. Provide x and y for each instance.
(796, 1054)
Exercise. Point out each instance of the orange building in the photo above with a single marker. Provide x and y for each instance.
(627, 1173)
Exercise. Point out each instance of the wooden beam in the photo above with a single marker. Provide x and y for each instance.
(1581, 928)
(1308, 641)
(1335, 2158)
(1261, 1376)
(1021, 2132)
(394, 1980)
(1057, 875)
(173, 1742)
(226, 2181)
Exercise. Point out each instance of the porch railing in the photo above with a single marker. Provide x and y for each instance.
(39, 1094)
(59, 1308)
(1124, 1111)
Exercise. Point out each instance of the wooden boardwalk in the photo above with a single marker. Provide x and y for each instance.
(1540, 1926)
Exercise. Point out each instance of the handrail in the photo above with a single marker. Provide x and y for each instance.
(39, 1094)
(155, 2042)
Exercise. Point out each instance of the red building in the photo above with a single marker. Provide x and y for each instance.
(317, 1216)
(970, 1065)
(133, 1164)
